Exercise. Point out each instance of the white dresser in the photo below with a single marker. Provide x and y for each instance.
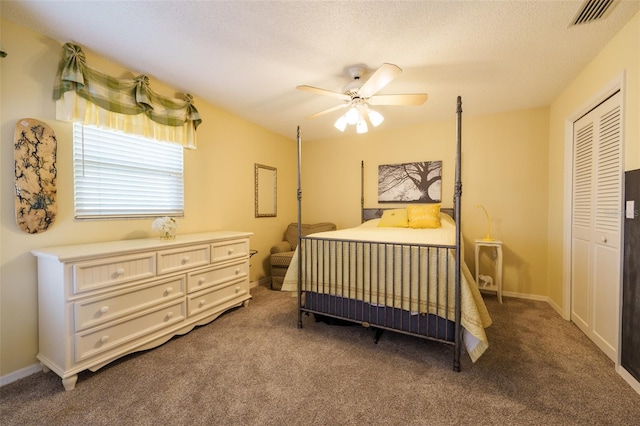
(98, 302)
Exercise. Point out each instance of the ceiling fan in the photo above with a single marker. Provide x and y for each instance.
(358, 95)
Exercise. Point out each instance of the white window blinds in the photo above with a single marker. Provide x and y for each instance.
(117, 175)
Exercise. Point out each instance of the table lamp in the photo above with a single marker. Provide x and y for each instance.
(488, 236)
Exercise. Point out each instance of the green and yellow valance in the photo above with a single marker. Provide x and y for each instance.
(92, 97)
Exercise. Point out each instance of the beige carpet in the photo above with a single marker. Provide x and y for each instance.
(253, 366)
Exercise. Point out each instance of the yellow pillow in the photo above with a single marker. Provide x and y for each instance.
(396, 218)
(424, 216)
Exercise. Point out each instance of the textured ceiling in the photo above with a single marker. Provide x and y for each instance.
(248, 56)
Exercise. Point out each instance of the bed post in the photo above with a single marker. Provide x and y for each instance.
(299, 229)
(362, 191)
(457, 207)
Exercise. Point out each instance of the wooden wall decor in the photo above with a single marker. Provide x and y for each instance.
(35, 147)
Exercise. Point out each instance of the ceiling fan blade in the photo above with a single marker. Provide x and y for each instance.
(407, 99)
(380, 78)
(324, 92)
(326, 111)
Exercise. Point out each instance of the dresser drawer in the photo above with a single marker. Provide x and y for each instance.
(208, 299)
(215, 276)
(229, 250)
(128, 329)
(183, 258)
(111, 271)
(99, 310)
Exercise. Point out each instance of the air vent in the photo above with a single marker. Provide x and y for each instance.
(592, 10)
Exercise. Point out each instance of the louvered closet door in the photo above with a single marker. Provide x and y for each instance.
(596, 224)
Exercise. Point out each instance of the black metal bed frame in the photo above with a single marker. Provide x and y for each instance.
(370, 311)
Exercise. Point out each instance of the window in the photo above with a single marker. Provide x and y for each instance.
(117, 175)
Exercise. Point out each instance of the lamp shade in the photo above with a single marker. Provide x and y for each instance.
(352, 115)
(375, 118)
(358, 114)
(341, 123)
(362, 127)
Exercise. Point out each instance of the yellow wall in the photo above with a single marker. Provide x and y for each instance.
(219, 183)
(504, 168)
(622, 53)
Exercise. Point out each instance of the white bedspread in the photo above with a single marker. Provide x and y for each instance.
(475, 317)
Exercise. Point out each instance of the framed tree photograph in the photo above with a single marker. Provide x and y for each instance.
(419, 182)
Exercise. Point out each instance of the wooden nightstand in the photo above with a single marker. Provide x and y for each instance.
(497, 279)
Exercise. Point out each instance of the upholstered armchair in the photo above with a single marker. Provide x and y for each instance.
(282, 252)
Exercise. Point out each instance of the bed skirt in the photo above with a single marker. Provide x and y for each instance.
(384, 317)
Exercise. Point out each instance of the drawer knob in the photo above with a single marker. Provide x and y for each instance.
(202, 302)
(201, 281)
(169, 315)
(604, 239)
(169, 290)
(104, 339)
(237, 271)
(230, 251)
(119, 272)
(104, 309)
(185, 260)
(237, 289)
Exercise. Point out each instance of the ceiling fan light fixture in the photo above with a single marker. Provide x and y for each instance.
(375, 118)
(341, 123)
(362, 91)
(362, 127)
(352, 115)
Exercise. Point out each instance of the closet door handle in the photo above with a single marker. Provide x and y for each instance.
(604, 239)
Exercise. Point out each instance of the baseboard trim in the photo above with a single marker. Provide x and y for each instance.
(525, 296)
(557, 308)
(20, 374)
(537, 297)
(635, 385)
(262, 281)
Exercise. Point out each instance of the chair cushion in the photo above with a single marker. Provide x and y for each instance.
(291, 235)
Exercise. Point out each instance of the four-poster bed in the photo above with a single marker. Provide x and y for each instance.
(409, 279)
